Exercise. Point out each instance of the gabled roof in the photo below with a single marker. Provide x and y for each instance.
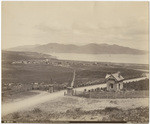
(107, 75)
(117, 76)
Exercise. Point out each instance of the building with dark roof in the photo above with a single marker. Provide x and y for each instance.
(114, 82)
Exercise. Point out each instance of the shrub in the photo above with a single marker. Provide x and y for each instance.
(78, 109)
(36, 110)
(110, 109)
(16, 115)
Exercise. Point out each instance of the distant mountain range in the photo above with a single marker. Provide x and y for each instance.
(84, 49)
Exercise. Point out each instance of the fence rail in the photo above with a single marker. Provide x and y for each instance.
(113, 95)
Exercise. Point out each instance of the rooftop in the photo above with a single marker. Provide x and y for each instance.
(117, 76)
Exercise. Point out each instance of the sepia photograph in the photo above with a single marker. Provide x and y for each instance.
(75, 62)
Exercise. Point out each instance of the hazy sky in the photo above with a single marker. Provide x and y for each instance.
(122, 23)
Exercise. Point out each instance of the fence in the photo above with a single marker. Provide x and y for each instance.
(113, 95)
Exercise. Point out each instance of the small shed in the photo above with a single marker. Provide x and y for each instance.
(70, 91)
(114, 82)
(51, 88)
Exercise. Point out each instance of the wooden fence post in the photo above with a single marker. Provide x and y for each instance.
(90, 95)
(107, 95)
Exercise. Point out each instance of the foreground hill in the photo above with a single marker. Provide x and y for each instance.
(85, 49)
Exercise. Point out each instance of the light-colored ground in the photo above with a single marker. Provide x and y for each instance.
(70, 108)
(135, 79)
(20, 96)
(24, 103)
(67, 103)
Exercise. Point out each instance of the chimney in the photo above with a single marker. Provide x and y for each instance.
(118, 74)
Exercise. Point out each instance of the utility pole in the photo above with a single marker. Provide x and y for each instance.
(72, 83)
(70, 90)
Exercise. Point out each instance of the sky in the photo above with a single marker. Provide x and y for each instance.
(80, 23)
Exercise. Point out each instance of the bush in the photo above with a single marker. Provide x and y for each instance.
(36, 110)
(110, 109)
(16, 115)
(78, 109)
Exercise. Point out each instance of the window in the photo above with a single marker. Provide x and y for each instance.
(119, 86)
(111, 85)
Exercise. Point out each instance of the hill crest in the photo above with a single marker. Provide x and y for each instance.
(91, 48)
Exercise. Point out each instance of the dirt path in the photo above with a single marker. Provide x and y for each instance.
(15, 106)
(22, 104)
(8, 108)
(135, 79)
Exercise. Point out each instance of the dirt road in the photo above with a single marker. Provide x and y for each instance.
(29, 102)
(43, 97)
(22, 104)
(135, 79)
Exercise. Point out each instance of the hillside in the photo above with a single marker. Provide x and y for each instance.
(84, 49)
(32, 67)
(8, 56)
(23, 48)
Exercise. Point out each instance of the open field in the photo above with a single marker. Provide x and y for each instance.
(82, 109)
(21, 69)
(41, 68)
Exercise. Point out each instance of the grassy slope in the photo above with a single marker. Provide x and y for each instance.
(15, 56)
(81, 109)
(35, 73)
(21, 73)
(27, 73)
